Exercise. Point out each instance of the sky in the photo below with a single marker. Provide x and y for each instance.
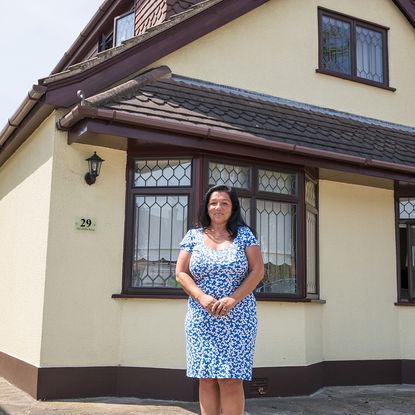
(35, 34)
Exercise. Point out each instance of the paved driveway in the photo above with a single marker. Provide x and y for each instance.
(364, 400)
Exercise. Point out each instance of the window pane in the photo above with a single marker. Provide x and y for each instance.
(275, 182)
(310, 193)
(124, 28)
(276, 226)
(336, 53)
(229, 175)
(403, 245)
(245, 204)
(407, 208)
(160, 224)
(162, 173)
(311, 228)
(369, 54)
(411, 276)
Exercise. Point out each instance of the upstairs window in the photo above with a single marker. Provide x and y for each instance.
(123, 28)
(352, 48)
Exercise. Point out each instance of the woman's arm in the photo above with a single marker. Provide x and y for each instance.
(255, 275)
(186, 281)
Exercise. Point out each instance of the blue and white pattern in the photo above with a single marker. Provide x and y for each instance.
(220, 346)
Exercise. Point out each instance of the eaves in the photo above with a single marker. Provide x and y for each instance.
(60, 90)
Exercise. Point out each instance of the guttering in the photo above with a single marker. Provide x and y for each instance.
(85, 110)
(32, 98)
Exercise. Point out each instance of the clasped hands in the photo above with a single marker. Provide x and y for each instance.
(216, 307)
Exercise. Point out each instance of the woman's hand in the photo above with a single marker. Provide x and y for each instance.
(207, 302)
(223, 306)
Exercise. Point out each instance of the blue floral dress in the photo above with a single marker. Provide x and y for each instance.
(220, 346)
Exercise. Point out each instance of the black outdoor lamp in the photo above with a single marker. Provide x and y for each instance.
(94, 164)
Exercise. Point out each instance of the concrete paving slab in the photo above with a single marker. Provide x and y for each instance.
(351, 400)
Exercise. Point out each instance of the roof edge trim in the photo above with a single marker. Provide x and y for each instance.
(82, 112)
(131, 87)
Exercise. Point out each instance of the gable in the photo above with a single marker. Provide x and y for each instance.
(266, 52)
(167, 44)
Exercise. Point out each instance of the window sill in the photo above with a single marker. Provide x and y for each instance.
(185, 297)
(405, 304)
(358, 80)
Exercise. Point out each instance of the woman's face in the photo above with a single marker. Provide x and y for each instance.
(219, 207)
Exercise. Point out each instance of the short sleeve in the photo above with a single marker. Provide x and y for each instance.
(247, 237)
(188, 241)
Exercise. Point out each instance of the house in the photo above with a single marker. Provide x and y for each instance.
(304, 106)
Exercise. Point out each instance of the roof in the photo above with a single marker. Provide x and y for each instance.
(190, 106)
(109, 67)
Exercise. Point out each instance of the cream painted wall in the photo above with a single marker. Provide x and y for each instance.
(358, 272)
(25, 187)
(83, 326)
(274, 50)
(152, 333)
(81, 321)
(289, 334)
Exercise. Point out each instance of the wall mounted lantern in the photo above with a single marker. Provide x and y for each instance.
(94, 165)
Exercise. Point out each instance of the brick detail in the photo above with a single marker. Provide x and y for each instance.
(150, 13)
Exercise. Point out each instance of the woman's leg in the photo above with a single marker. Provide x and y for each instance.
(209, 397)
(232, 397)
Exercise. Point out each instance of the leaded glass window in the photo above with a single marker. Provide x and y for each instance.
(162, 203)
(336, 45)
(277, 182)
(163, 173)
(352, 48)
(159, 226)
(310, 193)
(369, 54)
(406, 208)
(311, 235)
(245, 204)
(276, 227)
(124, 28)
(406, 243)
(230, 175)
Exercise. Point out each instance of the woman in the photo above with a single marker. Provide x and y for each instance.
(219, 266)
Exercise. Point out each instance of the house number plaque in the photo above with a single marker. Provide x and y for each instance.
(85, 224)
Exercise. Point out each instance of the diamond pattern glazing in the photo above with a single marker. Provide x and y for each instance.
(310, 193)
(369, 54)
(276, 226)
(276, 182)
(406, 208)
(245, 204)
(160, 224)
(163, 173)
(229, 175)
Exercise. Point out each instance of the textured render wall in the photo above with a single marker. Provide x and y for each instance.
(25, 186)
(152, 333)
(358, 273)
(274, 50)
(81, 320)
(289, 334)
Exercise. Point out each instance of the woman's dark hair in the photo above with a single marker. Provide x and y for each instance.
(235, 221)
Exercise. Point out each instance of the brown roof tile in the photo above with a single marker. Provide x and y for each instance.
(192, 103)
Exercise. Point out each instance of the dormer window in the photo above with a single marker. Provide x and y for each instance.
(123, 27)
(353, 49)
(106, 41)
